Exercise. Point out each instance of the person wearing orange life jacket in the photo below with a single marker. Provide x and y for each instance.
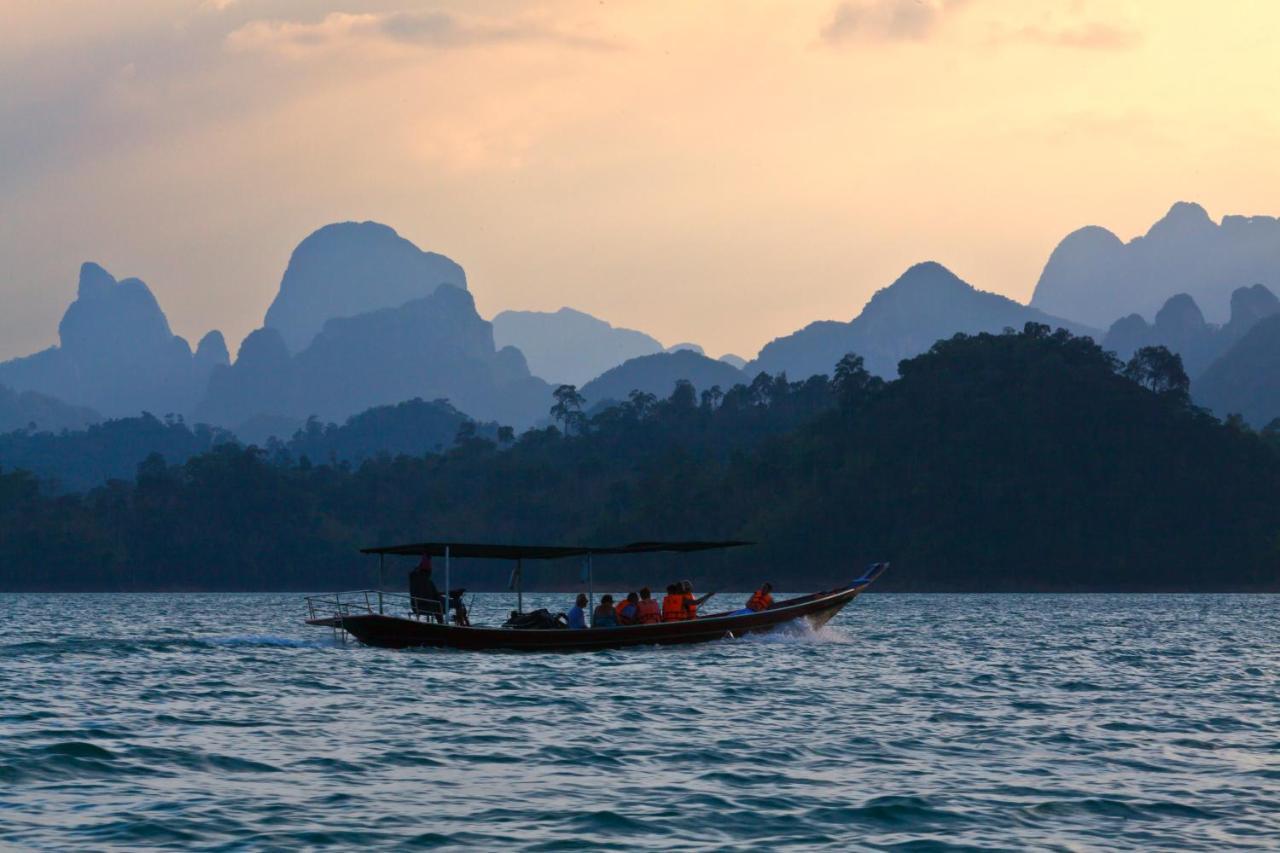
(647, 610)
(761, 599)
(673, 604)
(690, 603)
(626, 610)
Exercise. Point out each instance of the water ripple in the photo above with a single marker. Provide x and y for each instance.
(218, 722)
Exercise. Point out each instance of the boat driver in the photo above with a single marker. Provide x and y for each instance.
(423, 593)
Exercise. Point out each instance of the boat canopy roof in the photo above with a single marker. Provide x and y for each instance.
(542, 552)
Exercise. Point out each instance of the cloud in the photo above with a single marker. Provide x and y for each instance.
(886, 20)
(1089, 36)
(423, 29)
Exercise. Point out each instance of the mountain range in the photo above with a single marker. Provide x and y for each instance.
(362, 317)
(925, 304)
(434, 347)
(1094, 277)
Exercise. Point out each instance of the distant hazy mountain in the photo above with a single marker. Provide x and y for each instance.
(24, 409)
(1246, 379)
(351, 268)
(686, 346)
(1181, 327)
(433, 347)
(117, 354)
(658, 374)
(734, 360)
(1093, 277)
(927, 303)
(568, 346)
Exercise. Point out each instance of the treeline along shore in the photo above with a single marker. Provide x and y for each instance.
(1025, 461)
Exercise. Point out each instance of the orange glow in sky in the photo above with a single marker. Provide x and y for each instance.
(720, 172)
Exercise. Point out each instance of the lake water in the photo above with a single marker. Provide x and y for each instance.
(917, 722)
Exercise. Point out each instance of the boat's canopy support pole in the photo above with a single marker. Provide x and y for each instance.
(382, 579)
(447, 587)
(519, 586)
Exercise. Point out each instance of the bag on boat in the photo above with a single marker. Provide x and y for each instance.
(535, 619)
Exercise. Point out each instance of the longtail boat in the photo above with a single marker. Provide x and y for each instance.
(395, 620)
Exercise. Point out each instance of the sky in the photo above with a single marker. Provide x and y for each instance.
(717, 172)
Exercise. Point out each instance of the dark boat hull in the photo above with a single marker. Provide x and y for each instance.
(396, 632)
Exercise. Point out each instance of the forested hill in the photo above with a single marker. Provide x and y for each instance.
(1021, 461)
(111, 450)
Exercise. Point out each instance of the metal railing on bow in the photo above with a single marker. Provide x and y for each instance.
(338, 605)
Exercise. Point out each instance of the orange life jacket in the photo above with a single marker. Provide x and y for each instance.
(673, 609)
(622, 605)
(690, 606)
(648, 611)
(760, 600)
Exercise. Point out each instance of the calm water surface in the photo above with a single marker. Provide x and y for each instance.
(916, 722)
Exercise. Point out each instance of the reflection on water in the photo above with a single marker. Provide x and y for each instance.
(992, 721)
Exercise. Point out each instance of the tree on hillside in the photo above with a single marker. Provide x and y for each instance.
(642, 402)
(852, 379)
(684, 397)
(568, 408)
(1159, 370)
(711, 398)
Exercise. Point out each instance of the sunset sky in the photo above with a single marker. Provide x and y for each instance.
(721, 172)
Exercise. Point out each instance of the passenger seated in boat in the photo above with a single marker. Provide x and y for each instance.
(460, 615)
(673, 604)
(647, 610)
(604, 617)
(577, 614)
(691, 604)
(761, 599)
(424, 596)
(627, 610)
